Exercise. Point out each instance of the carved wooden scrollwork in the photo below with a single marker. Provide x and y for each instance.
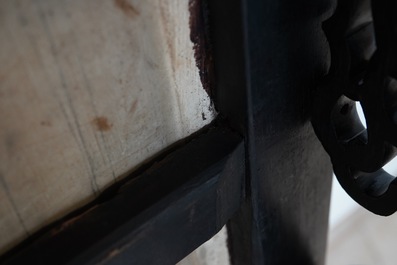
(362, 36)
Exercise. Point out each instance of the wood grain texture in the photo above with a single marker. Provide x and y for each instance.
(88, 90)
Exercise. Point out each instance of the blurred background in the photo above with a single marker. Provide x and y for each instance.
(359, 237)
(356, 236)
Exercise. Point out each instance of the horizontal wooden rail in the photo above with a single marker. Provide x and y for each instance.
(158, 217)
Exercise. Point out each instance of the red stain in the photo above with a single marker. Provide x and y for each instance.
(67, 223)
(128, 9)
(102, 124)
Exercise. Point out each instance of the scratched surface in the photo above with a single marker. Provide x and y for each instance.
(88, 90)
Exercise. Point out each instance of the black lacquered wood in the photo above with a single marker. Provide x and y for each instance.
(159, 217)
(363, 56)
(276, 52)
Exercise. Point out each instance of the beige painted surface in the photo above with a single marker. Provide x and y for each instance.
(88, 90)
(363, 238)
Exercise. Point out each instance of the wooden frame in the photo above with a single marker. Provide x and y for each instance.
(259, 168)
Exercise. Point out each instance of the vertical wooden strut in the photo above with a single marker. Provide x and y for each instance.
(269, 57)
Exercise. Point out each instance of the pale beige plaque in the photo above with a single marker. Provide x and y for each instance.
(88, 90)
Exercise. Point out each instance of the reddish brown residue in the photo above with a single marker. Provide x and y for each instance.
(199, 35)
(128, 9)
(102, 124)
(70, 222)
(64, 225)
